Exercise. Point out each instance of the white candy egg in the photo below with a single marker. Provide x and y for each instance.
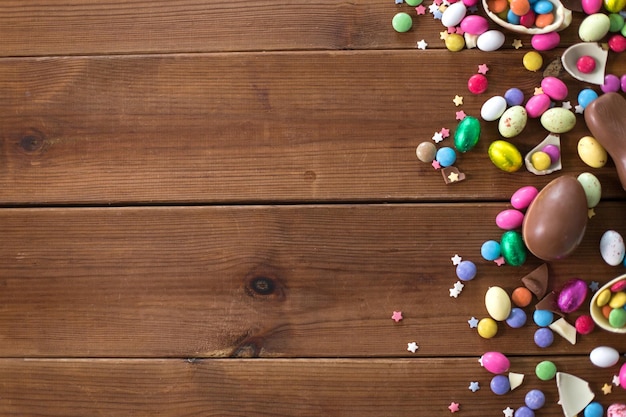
(612, 247)
(493, 108)
(604, 356)
(491, 40)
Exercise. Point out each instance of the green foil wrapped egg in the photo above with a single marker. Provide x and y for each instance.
(513, 248)
(467, 134)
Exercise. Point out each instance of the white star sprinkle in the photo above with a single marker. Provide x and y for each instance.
(616, 380)
(422, 44)
(437, 137)
(508, 412)
(456, 259)
(579, 109)
(412, 347)
(567, 105)
(474, 386)
(456, 291)
(473, 322)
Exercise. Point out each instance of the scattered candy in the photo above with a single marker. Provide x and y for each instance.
(612, 248)
(544, 337)
(543, 318)
(500, 385)
(521, 297)
(545, 370)
(498, 303)
(396, 316)
(532, 61)
(477, 84)
(487, 328)
(517, 318)
(594, 409)
(572, 295)
(604, 356)
(584, 324)
(402, 22)
(535, 399)
(495, 362)
(466, 270)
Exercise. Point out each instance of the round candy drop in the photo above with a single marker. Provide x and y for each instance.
(454, 42)
(500, 385)
(591, 6)
(544, 337)
(517, 318)
(487, 328)
(535, 399)
(446, 156)
(426, 152)
(593, 409)
(524, 411)
(543, 318)
(586, 64)
(402, 22)
(611, 83)
(586, 96)
(466, 270)
(521, 297)
(546, 370)
(553, 151)
(617, 42)
(540, 160)
(490, 250)
(584, 324)
(514, 97)
(477, 84)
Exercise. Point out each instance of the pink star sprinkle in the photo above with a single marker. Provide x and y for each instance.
(438, 2)
(445, 133)
(499, 261)
(459, 31)
(453, 407)
(420, 10)
(436, 164)
(396, 316)
(460, 115)
(451, 29)
(483, 69)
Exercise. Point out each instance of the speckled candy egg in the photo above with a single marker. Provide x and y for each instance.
(594, 27)
(498, 303)
(591, 186)
(591, 152)
(604, 356)
(495, 362)
(513, 121)
(612, 247)
(616, 410)
(558, 120)
(572, 295)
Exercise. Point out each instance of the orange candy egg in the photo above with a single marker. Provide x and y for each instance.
(543, 20)
(520, 7)
(498, 6)
(606, 310)
(521, 296)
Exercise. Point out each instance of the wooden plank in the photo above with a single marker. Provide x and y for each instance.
(287, 281)
(338, 387)
(319, 126)
(82, 27)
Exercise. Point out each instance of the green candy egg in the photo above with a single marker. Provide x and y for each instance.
(402, 22)
(413, 2)
(617, 318)
(513, 248)
(467, 134)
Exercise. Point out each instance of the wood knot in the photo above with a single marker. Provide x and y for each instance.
(264, 285)
(32, 141)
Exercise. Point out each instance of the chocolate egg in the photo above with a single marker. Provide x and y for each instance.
(572, 295)
(555, 222)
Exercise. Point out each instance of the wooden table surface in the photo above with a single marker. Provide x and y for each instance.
(213, 208)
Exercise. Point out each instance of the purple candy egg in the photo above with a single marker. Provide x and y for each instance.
(572, 295)
(553, 151)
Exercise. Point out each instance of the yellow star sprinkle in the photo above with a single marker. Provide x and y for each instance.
(517, 44)
(453, 177)
(538, 90)
(443, 35)
(458, 100)
(607, 389)
(591, 212)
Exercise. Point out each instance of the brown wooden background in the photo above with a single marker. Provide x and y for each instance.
(214, 207)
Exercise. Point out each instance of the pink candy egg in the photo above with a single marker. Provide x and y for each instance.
(553, 151)
(537, 105)
(591, 6)
(545, 41)
(622, 376)
(617, 43)
(572, 295)
(474, 24)
(554, 88)
(510, 219)
(619, 286)
(616, 410)
(496, 362)
(522, 198)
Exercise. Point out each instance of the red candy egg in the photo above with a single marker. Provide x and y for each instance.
(586, 64)
(477, 84)
(617, 43)
(584, 324)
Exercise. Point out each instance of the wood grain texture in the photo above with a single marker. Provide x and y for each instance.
(289, 281)
(338, 387)
(270, 127)
(84, 27)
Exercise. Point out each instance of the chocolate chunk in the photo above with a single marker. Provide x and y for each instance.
(537, 281)
(554, 68)
(605, 119)
(452, 174)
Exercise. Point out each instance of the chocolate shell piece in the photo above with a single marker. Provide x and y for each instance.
(606, 120)
(537, 281)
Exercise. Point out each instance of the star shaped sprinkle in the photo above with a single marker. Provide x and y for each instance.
(457, 100)
(412, 347)
(607, 389)
(616, 380)
(594, 286)
(591, 212)
(443, 35)
(420, 10)
(453, 407)
(456, 290)
(437, 137)
(453, 177)
(433, 8)
(456, 259)
(567, 105)
(538, 90)
(422, 44)
(399, 1)
(483, 69)
(579, 109)
(437, 14)
(499, 261)
(445, 133)
(436, 164)
(460, 115)
(451, 30)
(480, 361)
(508, 412)
(473, 322)
(517, 44)
(474, 386)
(396, 316)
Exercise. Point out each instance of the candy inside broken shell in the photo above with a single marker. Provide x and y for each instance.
(592, 49)
(562, 19)
(551, 139)
(596, 311)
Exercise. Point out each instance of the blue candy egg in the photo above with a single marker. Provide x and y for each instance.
(544, 337)
(517, 318)
(594, 409)
(543, 7)
(535, 399)
(586, 96)
(446, 156)
(512, 18)
(543, 318)
(490, 250)
(514, 97)
(500, 384)
(524, 411)
(466, 270)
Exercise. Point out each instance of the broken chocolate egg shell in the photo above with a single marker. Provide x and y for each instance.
(562, 19)
(573, 53)
(555, 222)
(596, 311)
(555, 166)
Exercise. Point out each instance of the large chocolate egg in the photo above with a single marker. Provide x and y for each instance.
(556, 220)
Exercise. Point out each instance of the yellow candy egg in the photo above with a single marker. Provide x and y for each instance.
(532, 61)
(487, 328)
(591, 152)
(505, 156)
(455, 42)
(540, 160)
(618, 300)
(603, 297)
(614, 6)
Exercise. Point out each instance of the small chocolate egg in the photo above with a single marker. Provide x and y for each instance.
(572, 295)
(555, 222)
(513, 248)
(498, 303)
(467, 134)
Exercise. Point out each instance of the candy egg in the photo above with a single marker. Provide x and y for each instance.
(594, 27)
(555, 222)
(426, 152)
(614, 6)
(591, 6)
(558, 120)
(454, 14)
(505, 156)
(545, 41)
(537, 105)
(498, 303)
(467, 134)
(591, 152)
(572, 295)
(604, 356)
(495, 362)
(612, 247)
(474, 24)
(522, 198)
(513, 248)
(512, 121)
(554, 88)
(509, 219)
(490, 40)
(493, 108)
(592, 187)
